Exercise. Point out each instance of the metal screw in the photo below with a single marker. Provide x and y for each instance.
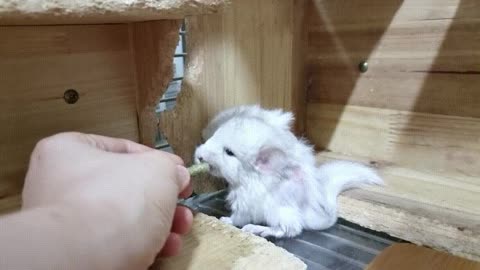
(71, 96)
(363, 66)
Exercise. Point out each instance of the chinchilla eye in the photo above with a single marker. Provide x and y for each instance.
(228, 152)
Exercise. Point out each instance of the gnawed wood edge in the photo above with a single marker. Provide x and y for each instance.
(153, 46)
(183, 125)
(214, 245)
(48, 12)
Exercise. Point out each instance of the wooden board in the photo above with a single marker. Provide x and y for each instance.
(422, 57)
(153, 48)
(417, 205)
(430, 164)
(37, 12)
(407, 256)
(37, 65)
(414, 113)
(213, 245)
(446, 145)
(248, 54)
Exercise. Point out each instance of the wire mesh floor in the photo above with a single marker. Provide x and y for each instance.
(344, 246)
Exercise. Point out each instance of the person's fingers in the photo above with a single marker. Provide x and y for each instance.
(114, 145)
(183, 178)
(172, 246)
(174, 158)
(159, 154)
(182, 220)
(118, 145)
(187, 191)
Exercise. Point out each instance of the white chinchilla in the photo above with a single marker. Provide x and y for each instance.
(275, 187)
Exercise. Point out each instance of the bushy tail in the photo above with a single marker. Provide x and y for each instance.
(337, 176)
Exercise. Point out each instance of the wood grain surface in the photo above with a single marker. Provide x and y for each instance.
(407, 256)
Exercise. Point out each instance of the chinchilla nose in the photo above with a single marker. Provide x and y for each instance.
(200, 159)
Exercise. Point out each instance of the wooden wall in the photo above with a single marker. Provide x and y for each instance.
(37, 65)
(120, 72)
(250, 53)
(415, 114)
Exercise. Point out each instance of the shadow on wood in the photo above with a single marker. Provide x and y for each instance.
(342, 34)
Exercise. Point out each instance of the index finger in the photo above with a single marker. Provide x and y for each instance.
(160, 154)
(114, 145)
(117, 145)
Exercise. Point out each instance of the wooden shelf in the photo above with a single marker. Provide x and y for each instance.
(418, 206)
(43, 12)
(214, 245)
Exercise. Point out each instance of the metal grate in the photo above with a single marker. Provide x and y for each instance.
(169, 99)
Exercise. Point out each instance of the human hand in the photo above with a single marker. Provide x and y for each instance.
(120, 188)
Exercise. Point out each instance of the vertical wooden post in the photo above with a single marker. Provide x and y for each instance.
(153, 46)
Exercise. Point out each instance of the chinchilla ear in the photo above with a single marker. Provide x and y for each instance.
(271, 160)
(281, 119)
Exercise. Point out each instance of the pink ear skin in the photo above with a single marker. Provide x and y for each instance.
(271, 160)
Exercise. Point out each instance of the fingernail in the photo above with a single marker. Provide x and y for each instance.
(183, 176)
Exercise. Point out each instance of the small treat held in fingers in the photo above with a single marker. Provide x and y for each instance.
(198, 169)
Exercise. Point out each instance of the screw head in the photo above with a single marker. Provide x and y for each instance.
(71, 96)
(363, 66)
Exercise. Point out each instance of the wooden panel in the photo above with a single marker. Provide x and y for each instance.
(448, 146)
(37, 65)
(414, 113)
(408, 256)
(153, 46)
(238, 250)
(248, 54)
(416, 206)
(422, 56)
(429, 162)
(411, 221)
(43, 12)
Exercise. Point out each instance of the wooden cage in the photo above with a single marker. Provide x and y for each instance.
(395, 83)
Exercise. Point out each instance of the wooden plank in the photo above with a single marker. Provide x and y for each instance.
(426, 208)
(343, 12)
(37, 12)
(153, 46)
(441, 144)
(248, 54)
(65, 40)
(414, 113)
(422, 57)
(37, 65)
(214, 245)
(408, 256)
